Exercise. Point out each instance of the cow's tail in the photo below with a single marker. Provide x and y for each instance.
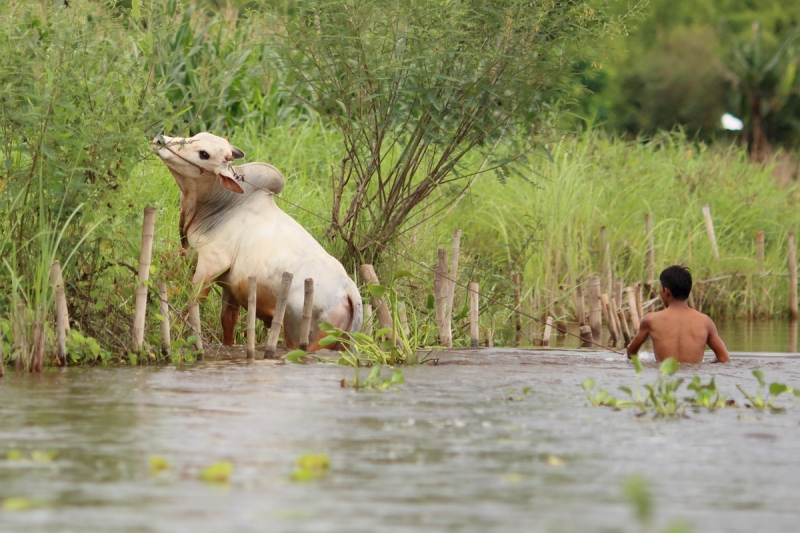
(356, 308)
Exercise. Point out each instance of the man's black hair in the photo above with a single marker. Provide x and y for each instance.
(678, 279)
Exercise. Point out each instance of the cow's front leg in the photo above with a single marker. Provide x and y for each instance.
(230, 315)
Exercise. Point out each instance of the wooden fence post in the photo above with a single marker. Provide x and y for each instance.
(445, 333)
(610, 320)
(57, 279)
(595, 307)
(164, 308)
(252, 305)
(474, 303)
(580, 310)
(379, 305)
(517, 316)
(637, 293)
(308, 309)
(586, 336)
(710, 229)
(792, 277)
(622, 322)
(634, 312)
(548, 329)
(194, 323)
(368, 320)
(61, 327)
(145, 255)
(618, 292)
(451, 284)
(277, 319)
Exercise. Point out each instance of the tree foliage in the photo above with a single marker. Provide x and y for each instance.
(413, 86)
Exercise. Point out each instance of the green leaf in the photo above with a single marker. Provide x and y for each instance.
(626, 390)
(326, 326)
(376, 291)
(135, 9)
(381, 332)
(295, 356)
(397, 377)
(327, 341)
(759, 375)
(387, 346)
(669, 366)
(402, 274)
(776, 389)
(360, 336)
(588, 384)
(217, 473)
(430, 303)
(637, 364)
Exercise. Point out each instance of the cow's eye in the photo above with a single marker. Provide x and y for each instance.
(203, 154)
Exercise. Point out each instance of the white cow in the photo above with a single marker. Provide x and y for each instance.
(228, 214)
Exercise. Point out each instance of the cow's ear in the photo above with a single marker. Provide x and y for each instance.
(230, 184)
(237, 154)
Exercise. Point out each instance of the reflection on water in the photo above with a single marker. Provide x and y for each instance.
(739, 336)
(458, 447)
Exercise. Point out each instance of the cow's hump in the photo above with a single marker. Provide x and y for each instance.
(262, 176)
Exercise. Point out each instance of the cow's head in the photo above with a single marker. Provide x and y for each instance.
(200, 157)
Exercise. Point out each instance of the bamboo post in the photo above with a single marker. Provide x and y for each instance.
(164, 309)
(401, 310)
(489, 338)
(710, 229)
(580, 310)
(378, 304)
(445, 333)
(650, 254)
(760, 248)
(548, 329)
(622, 322)
(308, 308)
(252, 301)
(517, 315)
(277, 318)
(586, 337)
(451, 285)
(618, 292)
(595, 306)
(634, 312)
(368, 320)
(610, 320)
(637, 293)
(61, 327)
(605, 262)
(57, 279)
(474, 304)
(194, 323)
(145, 255)
(792, 277)
(792, 338)
(440, 298)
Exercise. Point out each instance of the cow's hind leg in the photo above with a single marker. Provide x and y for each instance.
(230, 315)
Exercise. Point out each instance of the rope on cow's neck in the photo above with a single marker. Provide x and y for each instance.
(426, 267)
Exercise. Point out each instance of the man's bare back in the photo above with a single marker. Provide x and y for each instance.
(678, 331)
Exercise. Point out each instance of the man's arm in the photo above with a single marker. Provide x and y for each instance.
(716, 344)
(641, 336)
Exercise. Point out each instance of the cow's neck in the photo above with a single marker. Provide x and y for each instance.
(203, 205)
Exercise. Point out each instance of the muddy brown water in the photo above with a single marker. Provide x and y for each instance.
(446, 451)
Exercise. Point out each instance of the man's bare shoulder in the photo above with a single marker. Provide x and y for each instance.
(653, 316)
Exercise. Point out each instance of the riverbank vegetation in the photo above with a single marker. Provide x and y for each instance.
(85, 87)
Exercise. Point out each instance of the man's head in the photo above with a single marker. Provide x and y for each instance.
(676, 283)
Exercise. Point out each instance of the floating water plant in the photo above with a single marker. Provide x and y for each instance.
(217, 473)
(310, 467)
(773, 392)
(157, 465)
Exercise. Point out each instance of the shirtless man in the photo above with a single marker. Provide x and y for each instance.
(678, 331)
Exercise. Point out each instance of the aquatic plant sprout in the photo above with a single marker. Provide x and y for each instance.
(662, 399)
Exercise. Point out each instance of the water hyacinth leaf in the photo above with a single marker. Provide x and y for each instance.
(430, 302)
(397, 377)
(626, 390)
(17, 504)
(402, 274)
(43, 457)
(759, 375)
(636, 363)
(295, 356)
(588, 384)
(328, 340)
(217, 473)
(383, 331)
(776, 389)
(157, 464)
(669, 367)
(695, 384)
(361, 337)
(326, 326)
(375, 372)
(387, 346)
(376, 291)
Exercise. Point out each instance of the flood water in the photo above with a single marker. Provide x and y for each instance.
(446, 451)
